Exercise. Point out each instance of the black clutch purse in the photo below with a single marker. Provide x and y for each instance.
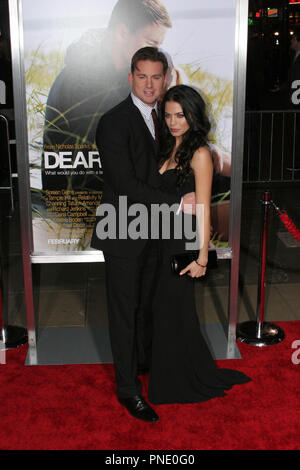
(181, 261)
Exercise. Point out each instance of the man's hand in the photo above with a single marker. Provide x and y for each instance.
(189, 203)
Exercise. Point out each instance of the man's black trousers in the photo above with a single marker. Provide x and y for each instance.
(130, 284)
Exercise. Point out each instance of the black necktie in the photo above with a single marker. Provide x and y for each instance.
(156, 125)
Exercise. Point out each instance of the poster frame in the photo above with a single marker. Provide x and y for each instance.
(30, 257)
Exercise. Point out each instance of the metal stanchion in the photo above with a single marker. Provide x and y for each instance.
(10, 336)
(260, 333)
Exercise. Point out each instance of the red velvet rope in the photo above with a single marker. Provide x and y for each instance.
(289, 224)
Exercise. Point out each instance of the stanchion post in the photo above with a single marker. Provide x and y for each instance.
(2, 333)
(11, 336)
(259, 332)
(260, 310)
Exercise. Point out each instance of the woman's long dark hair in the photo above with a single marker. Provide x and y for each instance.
(194, 110)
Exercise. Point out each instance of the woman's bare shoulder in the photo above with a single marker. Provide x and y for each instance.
(202, 156)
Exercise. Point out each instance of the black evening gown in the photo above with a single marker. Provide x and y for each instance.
(182, 368)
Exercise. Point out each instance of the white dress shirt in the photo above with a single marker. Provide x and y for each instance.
(145, 111)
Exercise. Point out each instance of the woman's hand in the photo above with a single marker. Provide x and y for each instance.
(194, 269)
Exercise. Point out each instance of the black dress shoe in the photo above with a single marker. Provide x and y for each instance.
(139, 408)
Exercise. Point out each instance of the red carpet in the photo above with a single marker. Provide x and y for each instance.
(74, 407)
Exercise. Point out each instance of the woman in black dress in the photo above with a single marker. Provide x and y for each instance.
(182, 368)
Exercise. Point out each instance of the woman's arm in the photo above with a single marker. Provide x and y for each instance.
(203, 171)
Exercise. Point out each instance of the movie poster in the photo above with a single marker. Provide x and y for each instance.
(77, 63)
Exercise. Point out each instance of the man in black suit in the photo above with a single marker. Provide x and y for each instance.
(126, 141)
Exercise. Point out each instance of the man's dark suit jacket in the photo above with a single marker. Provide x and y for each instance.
(129, 161)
